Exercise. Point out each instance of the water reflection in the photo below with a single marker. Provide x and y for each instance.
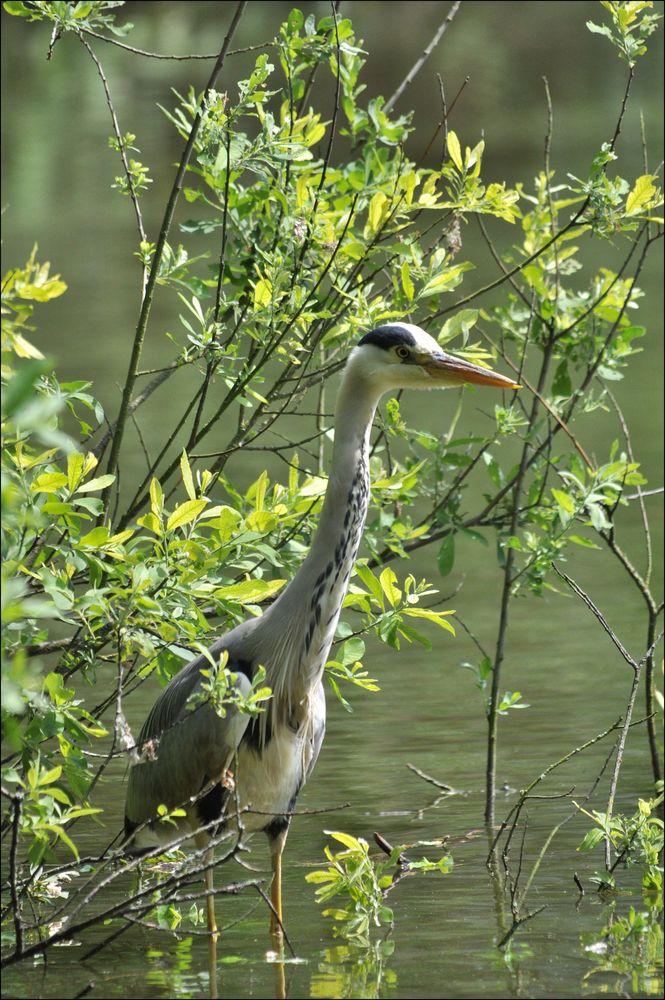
(627, 954)
(352, 971)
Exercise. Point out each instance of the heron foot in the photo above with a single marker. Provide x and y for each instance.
(227, 780)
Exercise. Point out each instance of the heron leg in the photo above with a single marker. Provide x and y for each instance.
(201, 840)
(210, 898)
(212, 967)
(277, 842)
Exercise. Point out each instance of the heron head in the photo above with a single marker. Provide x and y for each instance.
(402, 356)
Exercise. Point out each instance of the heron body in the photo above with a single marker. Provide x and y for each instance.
(186, 747)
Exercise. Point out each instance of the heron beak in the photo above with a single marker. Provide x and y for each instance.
(446, 367)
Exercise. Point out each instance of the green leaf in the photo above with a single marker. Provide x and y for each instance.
(156, 497)
(598, 516)
(96, 484)
(407, 284)
(74, 469)
(600, 29)
(591, 840)
(644, 192)
(370, 581)
(249, 591)
(458, 324)
(49, 482)
(585, 542)
(437, 617)
(388, 579)
(185, 513)
(150, 522)
(561, 383)
(47, 777)
(95, 538)
(17, 8)
(186, 473)
(448, 279)
(348, 840)
(66, 839)
(378, 209)
(565, 503)
(262, 293)
(455, 150)
(352, 650)
(446, 556)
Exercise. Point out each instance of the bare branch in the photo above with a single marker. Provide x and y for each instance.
(426, 53)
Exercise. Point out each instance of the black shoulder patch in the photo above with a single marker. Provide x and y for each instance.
(390, 335)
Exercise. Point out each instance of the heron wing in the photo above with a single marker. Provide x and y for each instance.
(184, 743)
(318, 703)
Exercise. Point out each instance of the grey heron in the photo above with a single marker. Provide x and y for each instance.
(275, 754)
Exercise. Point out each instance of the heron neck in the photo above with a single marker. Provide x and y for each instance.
(347, 493)
(295, 634)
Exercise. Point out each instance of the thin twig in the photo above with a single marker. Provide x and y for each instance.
(174, 58)
(16, 824)
(599, 615)
(420, 62)
(428, 777)
(151, 284)
(121, 147)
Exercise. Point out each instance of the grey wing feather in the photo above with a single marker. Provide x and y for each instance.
(184, 744)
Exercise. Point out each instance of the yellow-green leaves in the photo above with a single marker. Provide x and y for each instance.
(257, 492)
(78, 467)
(302, 191)
(33, 282)
(96, 484)
(391, 610)
(49, 482)
(565, 504)
(370, 581)
(435, 617)
(459, 325)
(250, 591)
(644, 197)
(631, 26)
(447, 279)
(361, 882)
(455, 150)
(156, 497)
(377, 213)
(226, 521)
(472, 157)
(47, 807)
(262, 293)
(185, 514)
(187, 478)
(101, 538)
(348, 667)
(387, 580)
(407, 284)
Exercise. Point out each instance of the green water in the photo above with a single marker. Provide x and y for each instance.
(428, 713)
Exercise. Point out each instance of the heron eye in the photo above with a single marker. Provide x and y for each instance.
(402, 352)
